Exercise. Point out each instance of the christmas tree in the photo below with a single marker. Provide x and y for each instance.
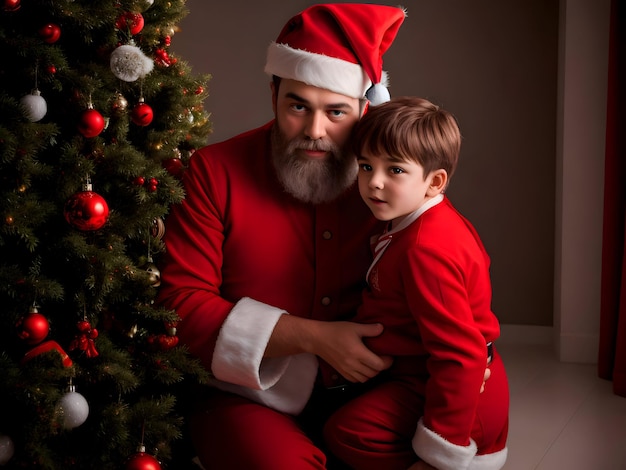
(97, 123)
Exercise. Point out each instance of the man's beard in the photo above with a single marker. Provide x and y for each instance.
(309, 180)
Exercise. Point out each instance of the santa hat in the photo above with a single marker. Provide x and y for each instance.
(338, 47)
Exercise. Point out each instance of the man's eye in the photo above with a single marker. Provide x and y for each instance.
(298, 107)
(337, 113)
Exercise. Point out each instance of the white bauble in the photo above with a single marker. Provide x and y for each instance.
(7, 449)
(129, 63)
(34, 106)
(73, 409)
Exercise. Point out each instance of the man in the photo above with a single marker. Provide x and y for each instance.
(266, 256)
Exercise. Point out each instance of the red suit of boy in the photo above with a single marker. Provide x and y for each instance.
(430, 287)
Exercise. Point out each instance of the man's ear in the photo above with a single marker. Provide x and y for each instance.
(438, 182)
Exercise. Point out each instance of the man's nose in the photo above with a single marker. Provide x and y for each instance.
(316, 126)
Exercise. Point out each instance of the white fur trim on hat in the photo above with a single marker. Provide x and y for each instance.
(440, 453)
(319, 70)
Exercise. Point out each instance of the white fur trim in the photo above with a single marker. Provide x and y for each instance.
(291, 392)
(319, 70)
(440, 453)
(241, 344)
(238, 365)
(494, 461)
(378, 94)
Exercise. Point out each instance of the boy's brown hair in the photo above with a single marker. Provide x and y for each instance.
(410, 129)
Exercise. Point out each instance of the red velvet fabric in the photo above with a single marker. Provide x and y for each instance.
(612, 350)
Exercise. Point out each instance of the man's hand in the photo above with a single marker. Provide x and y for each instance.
(340, 344)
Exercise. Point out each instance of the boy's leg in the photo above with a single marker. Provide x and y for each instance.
(490, 429)
(374, 430)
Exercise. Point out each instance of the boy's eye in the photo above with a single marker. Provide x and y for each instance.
(365, 167)
(396, 170)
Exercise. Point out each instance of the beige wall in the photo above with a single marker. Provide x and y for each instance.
(493, 64)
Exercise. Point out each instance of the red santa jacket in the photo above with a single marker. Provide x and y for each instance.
(241, 252)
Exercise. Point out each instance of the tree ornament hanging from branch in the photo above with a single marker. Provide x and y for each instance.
(50, 33)
(91, 123)
(34, 106)
(12, 5)
(142, 461)
(142, 113)
(129, 63)
(72, 408)
(86, 210)
(34, 327)
(84, 340)
(131, 22)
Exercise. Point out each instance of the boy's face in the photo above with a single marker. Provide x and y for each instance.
(393, 189)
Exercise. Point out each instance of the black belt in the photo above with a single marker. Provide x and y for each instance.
(489, 352)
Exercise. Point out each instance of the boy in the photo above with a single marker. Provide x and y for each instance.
(429, 286)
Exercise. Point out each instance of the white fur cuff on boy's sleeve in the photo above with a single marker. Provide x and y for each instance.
(440, 453)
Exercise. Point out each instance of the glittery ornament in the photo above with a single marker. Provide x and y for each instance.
(34, 106)
(129, 63)
(73, 409)
(7, 449)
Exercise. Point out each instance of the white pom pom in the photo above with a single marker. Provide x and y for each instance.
(73, 409)
(377, 94)
(7, 448)
(34, 106)
(129, 63)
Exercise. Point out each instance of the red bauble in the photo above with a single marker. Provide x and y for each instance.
(174, 167)
(142, 114)
(131, 22)
(142, 461)
(33, 328)
(86, 210)
(91, 123)
(50, 33)
(12, 5)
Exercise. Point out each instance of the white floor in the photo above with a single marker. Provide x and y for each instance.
(562, 415)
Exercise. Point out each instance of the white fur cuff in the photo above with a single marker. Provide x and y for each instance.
(290, 394)
(240, 346)
(438, 452)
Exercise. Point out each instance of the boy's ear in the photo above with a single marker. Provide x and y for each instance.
(438, 182)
